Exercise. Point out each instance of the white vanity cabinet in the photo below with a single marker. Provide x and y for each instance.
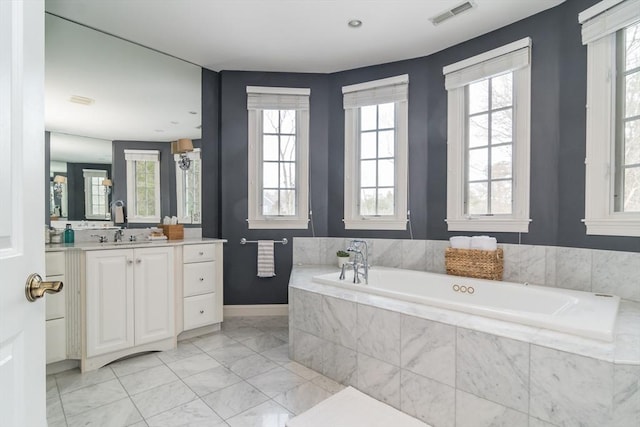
(202, 285)
(56, 345)
(129, 299)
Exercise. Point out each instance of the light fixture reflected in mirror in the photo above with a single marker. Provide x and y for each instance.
(58, 184)
(107, 184)
(182, 147)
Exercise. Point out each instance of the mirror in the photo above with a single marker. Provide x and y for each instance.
(99, 89)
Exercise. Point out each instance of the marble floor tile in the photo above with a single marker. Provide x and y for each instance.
(211, 380)
(185, 349)
(267, 414)
(54, 409)
(163, 398)
(73, 380)
(147, 379)
(230, 353)
(242, 333)
(51, 382)
(303, 371)
(135, 364)
(92, 397)
(328, 384)
(303, 397)
(116, 414)
(139, 424)
(276, 381)
(192, 414)
(263, 342)
(251, 366)
(279, 355)
(193, 365)
(278, 332)
(57, 422)
(208, 343)
(234, 399)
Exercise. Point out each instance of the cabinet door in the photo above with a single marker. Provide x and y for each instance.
(109, 303)
(154, 294)
(56, 340)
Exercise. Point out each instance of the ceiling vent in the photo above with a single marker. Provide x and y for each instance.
(82, 100)
(439, 19)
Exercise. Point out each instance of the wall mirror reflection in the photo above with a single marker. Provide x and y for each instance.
(100, 89)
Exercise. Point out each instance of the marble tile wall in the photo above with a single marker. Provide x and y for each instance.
(450, 376)
(588, 270)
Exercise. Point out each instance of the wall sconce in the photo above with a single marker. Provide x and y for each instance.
(182, 147)
(58, 184)
(107, 183)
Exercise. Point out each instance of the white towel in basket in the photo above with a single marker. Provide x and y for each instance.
(266, 266)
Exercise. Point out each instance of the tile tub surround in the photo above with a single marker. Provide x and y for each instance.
(455, 369)
(590, 270)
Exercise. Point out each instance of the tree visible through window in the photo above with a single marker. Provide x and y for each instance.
(377, 160)
(489, 172)
(279, 163)
(627, 185)
(145, 173)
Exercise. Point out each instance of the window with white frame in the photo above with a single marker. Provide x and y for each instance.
(143, 185)
(96, 198)
(188, 189)
(376, 154)
(611, 31)
(488, 147)
(278, 121)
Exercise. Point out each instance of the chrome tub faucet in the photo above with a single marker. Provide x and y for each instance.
(361, 259)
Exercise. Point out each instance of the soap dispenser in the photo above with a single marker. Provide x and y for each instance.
(68, 234)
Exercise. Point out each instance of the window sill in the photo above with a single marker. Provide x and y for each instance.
(144, 220)
(614, 226)
(375, 224)
(275, 224)
(496, 225)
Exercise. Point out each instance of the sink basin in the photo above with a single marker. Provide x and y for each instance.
(126, 242)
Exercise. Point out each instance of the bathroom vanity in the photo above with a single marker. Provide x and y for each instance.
(123, 298)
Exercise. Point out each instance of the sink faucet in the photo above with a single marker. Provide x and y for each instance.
(361, 259)
(118, 236)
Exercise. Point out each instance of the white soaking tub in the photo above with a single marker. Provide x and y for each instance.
(579, 313)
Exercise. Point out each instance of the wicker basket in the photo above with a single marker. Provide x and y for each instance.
(173, 232)
(475, 263)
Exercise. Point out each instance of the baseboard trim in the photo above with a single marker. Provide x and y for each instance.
(256, 310)
(61, 366)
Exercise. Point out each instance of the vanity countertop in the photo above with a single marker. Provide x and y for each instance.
(92, 246)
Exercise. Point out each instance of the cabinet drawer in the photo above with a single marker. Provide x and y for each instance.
(54, 263)
(199, 278)
(199, 311)
(56, 340)
(54, 303)
(197, 253)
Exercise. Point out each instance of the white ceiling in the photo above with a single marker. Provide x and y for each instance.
(143, 95)
(293, 35)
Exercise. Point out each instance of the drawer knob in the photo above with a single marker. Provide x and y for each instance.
(200, 253)
(129, 261)
(202, 279)
(201, 311)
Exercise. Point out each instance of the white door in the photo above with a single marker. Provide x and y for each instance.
(154, 294)
(109, 291)
(22, 182)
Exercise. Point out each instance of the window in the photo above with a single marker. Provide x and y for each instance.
(278, 157)
(488, 145)
(96, 199)
(143, 185)
(376, 154)
(188, 185)
(611, 31)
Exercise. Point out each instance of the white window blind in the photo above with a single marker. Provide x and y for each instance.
(383, 91)
(142, 155)
(511, 57)
(277, 98)
(607, 17)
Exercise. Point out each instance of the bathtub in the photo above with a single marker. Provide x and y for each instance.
(578, 313)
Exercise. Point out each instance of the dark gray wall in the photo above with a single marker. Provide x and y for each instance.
(75, 188)
(210, 144)
(558, 123)
(241, 286)
(47, 178)
(167, 175)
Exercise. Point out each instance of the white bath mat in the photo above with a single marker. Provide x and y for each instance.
(351, 408)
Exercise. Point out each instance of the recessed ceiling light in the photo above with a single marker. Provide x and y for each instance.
(159, 130)
(83, 100)
(355, 23)
(193, 112)
(174, 122)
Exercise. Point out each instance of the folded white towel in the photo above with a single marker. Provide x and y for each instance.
(460, 242)
(266, 267)
(484, 243)
(119, 215)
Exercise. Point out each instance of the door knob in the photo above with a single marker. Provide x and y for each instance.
(35, 287)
